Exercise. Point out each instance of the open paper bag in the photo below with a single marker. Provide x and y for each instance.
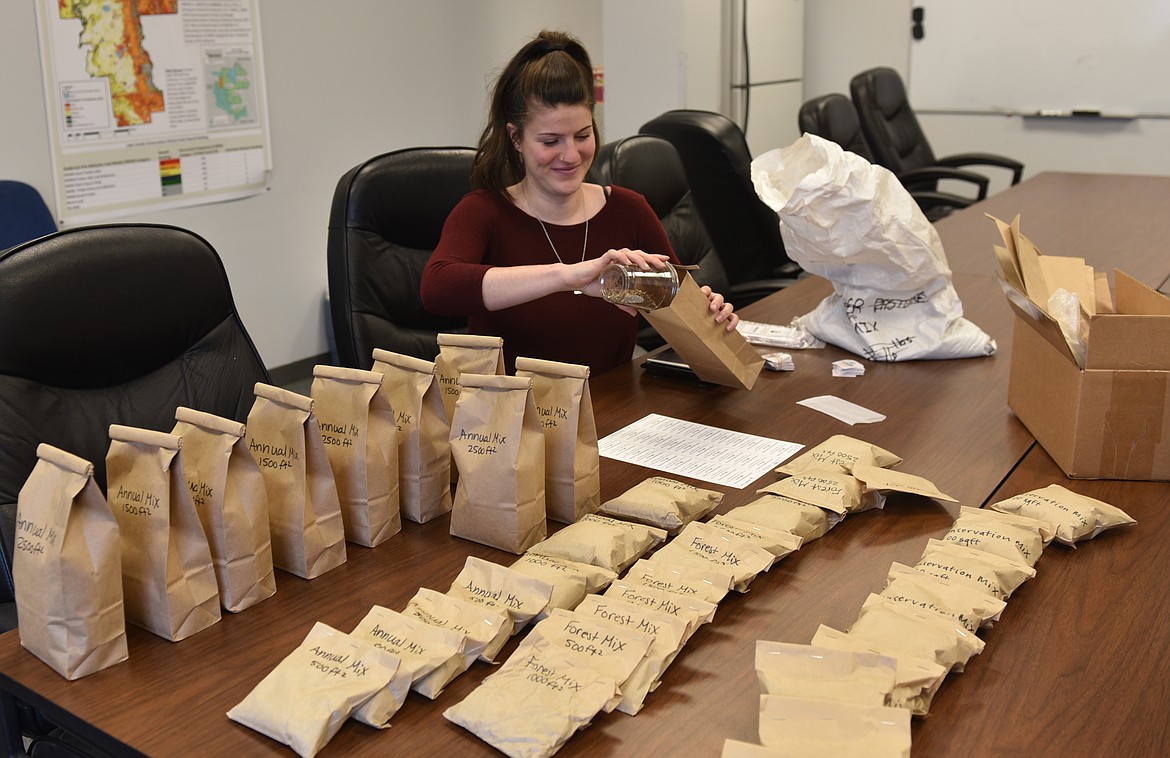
(854, 224)
(713, 353)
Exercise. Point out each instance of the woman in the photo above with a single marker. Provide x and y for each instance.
(521, 254)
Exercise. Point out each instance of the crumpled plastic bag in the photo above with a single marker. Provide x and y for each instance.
(853, 223)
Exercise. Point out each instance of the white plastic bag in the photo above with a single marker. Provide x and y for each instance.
(854, 224)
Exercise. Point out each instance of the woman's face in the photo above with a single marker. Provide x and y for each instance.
(557, 145)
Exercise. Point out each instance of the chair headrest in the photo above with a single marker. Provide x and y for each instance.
(405, 195)
(647, 165)
(834, 118)
(96, 306)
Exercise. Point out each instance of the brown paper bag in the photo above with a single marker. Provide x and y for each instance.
(67, 568)
(465, 354)
(498, 445)
(168, 582)
(228, 491)
(572, 485)
(713, 353)
(361, 440)
(304, 512)
(424, 450)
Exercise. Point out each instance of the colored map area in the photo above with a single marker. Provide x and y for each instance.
(229, 87)
(112, 30)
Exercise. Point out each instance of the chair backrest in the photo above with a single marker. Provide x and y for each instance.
(116, 324)
(715, 156)
(888, 122)
(385, 221)
(834, 118)
(650, 166)
(23, 214)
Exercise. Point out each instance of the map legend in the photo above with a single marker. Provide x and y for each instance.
(170, 172)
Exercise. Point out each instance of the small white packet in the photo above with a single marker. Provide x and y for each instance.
(788, 336)
(778, 362)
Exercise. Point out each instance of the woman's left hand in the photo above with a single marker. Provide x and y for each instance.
(723, 310)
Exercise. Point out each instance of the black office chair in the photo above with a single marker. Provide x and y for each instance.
(110, 324)
(717, 162)
(651, 166)
(834, 118)
(385, 221)
(893, 133)
(23, 214)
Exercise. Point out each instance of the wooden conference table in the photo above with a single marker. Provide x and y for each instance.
(1077, 666)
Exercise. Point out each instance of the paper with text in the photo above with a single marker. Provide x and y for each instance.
(707, 453)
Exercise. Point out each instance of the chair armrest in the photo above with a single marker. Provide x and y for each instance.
(943, 198)
(931, 174)
(936, 205)
(985, 159)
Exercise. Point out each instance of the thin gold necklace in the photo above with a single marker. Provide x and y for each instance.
(544, 229)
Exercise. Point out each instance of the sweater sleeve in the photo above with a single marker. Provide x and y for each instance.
(452, 281)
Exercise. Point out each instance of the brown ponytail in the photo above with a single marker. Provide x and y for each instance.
(553, 69)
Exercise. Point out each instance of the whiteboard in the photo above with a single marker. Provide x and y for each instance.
(1052, 56)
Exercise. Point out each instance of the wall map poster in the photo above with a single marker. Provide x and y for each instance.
(153, 104)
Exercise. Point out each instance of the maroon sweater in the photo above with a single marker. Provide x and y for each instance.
(485, 230)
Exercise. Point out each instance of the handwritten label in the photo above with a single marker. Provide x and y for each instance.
(339, 435)
(273, 456)
(201, 492)
(136, 502)
(551, 416)
(336, 664)
(550, 677)
(482, 443)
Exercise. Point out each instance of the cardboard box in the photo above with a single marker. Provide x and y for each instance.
(1110, 419)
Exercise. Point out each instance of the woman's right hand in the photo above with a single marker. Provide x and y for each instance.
(585, 277)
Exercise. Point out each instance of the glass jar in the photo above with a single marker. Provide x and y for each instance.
(644, 289)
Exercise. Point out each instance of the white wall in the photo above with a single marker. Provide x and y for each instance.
(844, 37)
(660, 55)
